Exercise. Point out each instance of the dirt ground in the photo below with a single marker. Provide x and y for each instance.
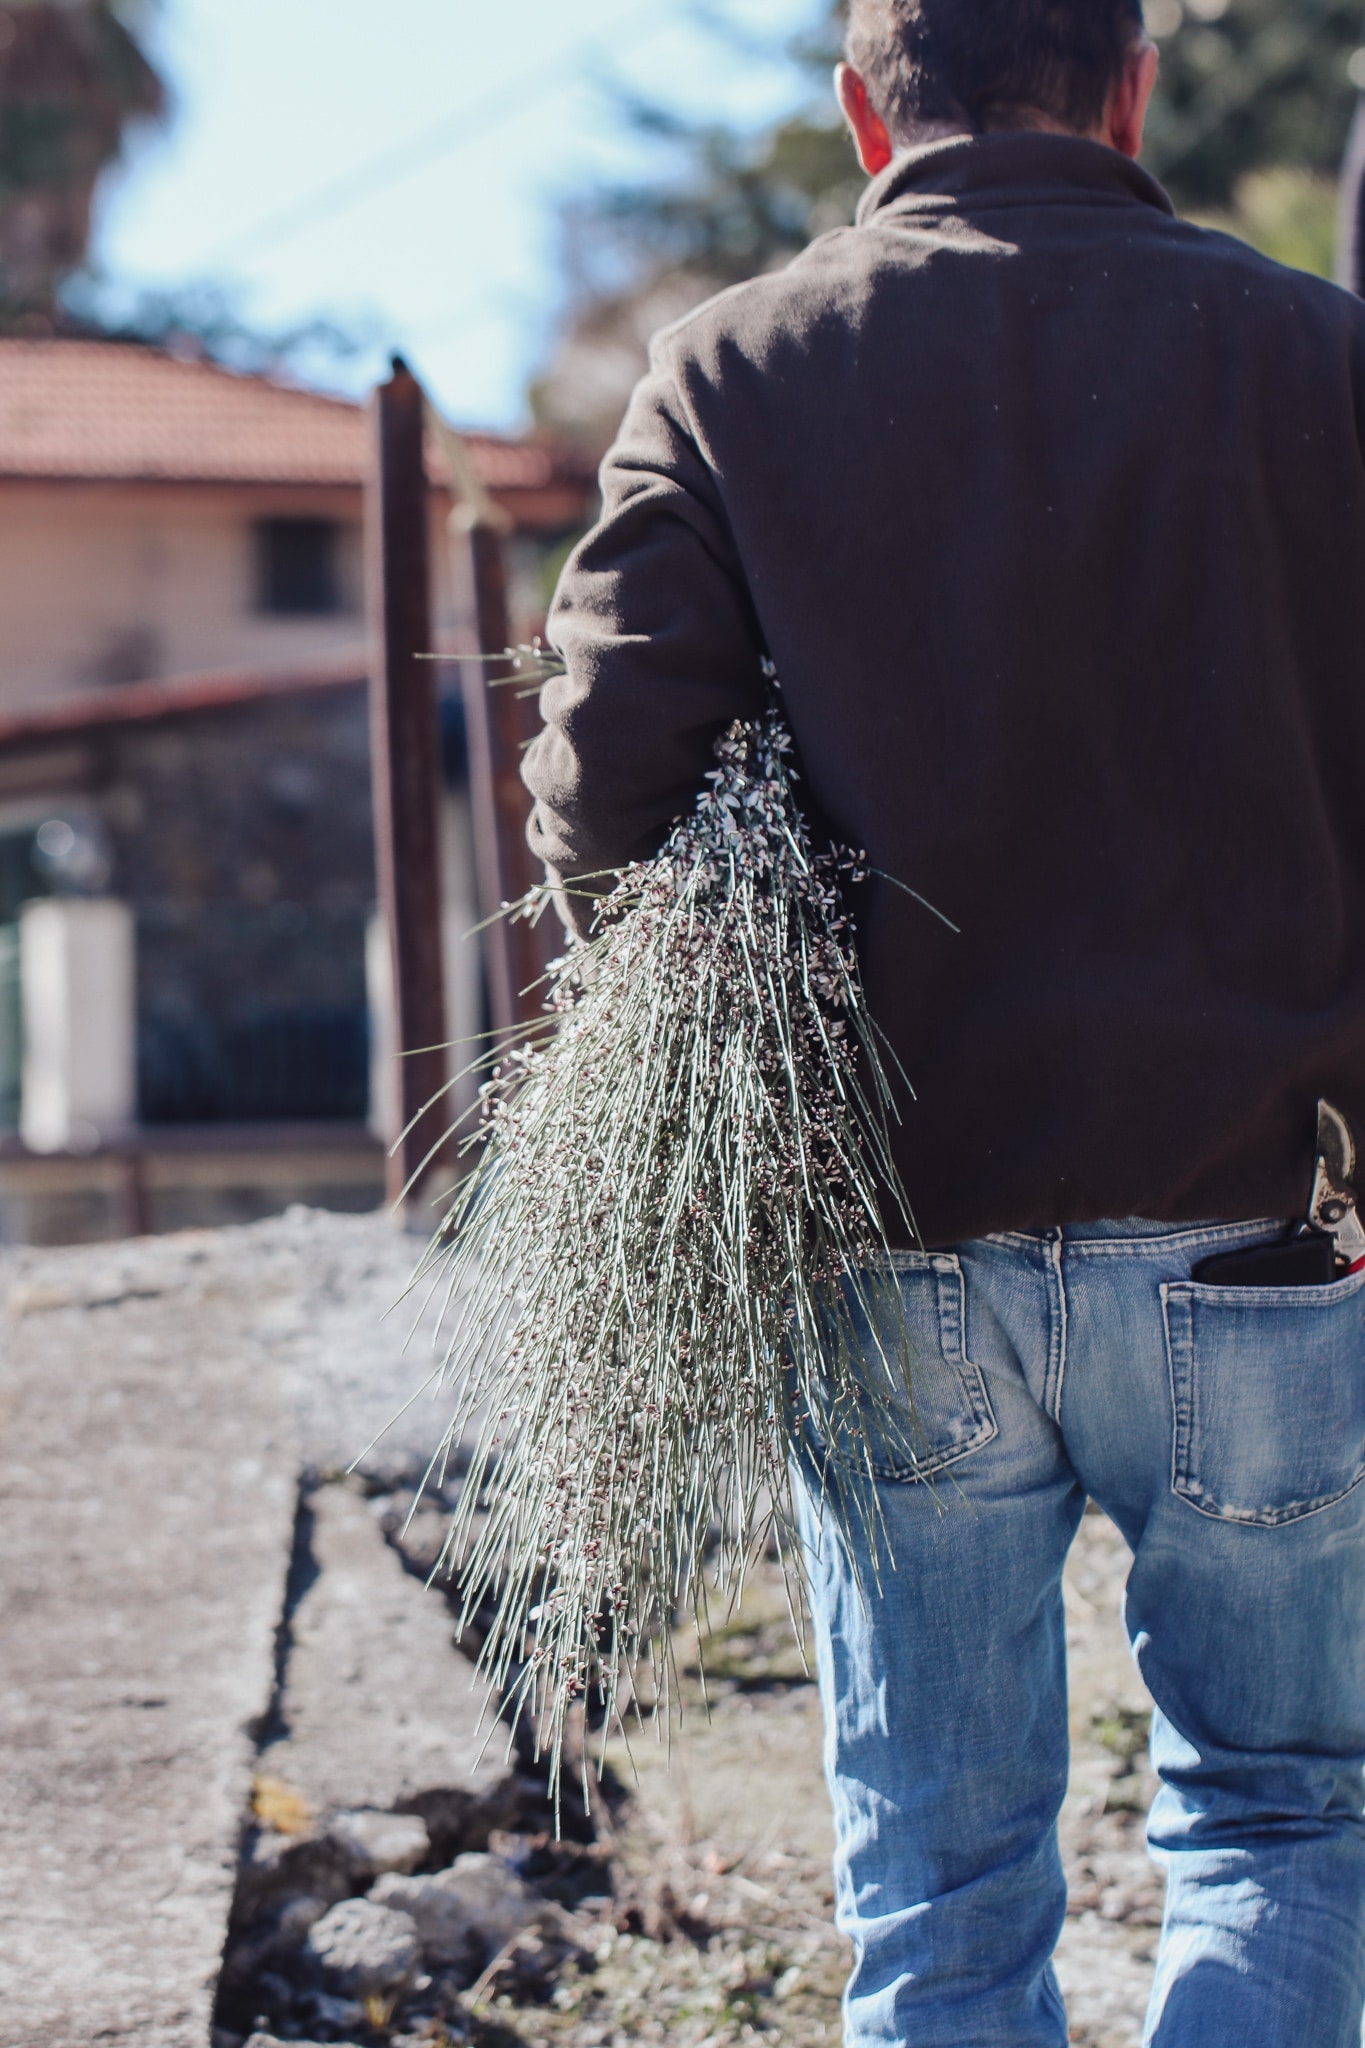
(719, 1928)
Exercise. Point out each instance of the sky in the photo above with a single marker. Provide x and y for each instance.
(398, 163)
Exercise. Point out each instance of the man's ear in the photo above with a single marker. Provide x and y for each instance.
(870, 137)
(1126, 113)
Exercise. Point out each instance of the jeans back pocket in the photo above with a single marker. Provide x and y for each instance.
(919, 1404)
(1268, 1385)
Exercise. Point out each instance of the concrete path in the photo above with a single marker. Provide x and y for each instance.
(364, 1632)
(175, 1416)
(157, 1404)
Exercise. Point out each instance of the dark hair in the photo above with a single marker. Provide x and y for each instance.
(990, 62)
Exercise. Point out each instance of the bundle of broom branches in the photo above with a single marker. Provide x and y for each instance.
(663, 1276)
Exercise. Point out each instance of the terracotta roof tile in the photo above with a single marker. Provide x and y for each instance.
(113, 411)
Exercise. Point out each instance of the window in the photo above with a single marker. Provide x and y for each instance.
(298, 567)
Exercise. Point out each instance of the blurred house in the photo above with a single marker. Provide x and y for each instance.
(188, 1017)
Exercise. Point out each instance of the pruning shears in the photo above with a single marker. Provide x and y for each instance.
(1333, 1209)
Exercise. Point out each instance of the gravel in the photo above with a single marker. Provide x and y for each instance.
(700, 1916)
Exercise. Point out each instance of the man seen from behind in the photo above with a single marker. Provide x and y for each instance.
(1049, 510)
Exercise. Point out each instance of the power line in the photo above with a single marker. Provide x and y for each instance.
(470, 123)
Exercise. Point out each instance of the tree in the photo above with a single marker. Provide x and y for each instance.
(1251, 119)
(73, 78)
(1250, 122)
(1247, 85)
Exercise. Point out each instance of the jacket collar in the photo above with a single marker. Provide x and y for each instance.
(970, 173)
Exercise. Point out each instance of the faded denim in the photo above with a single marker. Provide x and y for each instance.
(1223, 1429)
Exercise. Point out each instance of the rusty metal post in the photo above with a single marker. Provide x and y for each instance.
(132, 1210)
(497, 725)
(499, 720)
(406, 754)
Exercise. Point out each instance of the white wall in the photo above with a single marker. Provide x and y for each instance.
(78, 986)
(91, 573)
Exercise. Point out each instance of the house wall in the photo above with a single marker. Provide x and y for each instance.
(114, 583)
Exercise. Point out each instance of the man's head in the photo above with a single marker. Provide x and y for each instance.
(918, 69)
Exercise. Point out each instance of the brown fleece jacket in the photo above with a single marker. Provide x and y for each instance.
(1050, 510)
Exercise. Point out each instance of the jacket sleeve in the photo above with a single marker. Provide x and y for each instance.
(655, 624)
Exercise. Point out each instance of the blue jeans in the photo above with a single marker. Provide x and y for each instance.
(1223, 1429)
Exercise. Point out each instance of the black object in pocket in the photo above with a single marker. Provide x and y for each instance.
(1307, 1261)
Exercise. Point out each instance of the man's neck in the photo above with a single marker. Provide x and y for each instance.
(1024, 121)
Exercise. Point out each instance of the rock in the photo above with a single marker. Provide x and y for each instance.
(374, 1843)
(477, 1903)
(362, 1948)
(330, 1864)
